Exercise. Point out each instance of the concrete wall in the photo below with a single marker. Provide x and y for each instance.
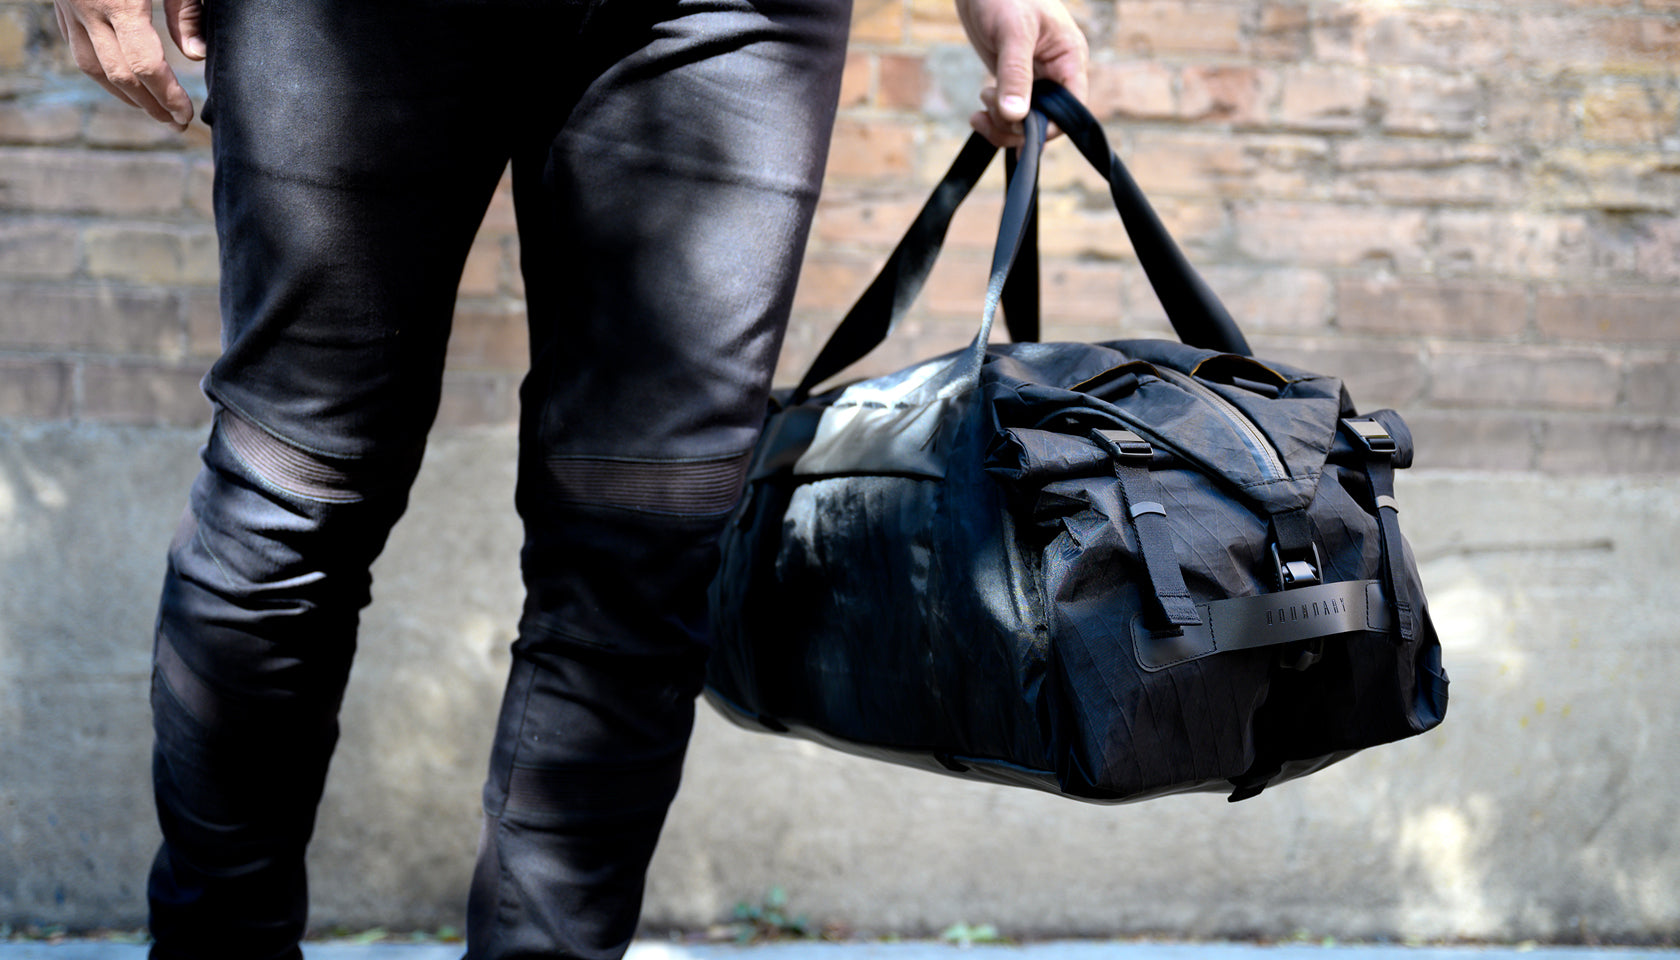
(1544, 807)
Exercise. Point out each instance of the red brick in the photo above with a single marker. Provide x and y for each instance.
(37, 248)
(1262, 300)
(1653, 384)
(956, 288)
(1071, 292)
(1445, 39)
(1325, 98)
(903, 82)
(1377, 373)
(857, 79)
(1431, 307)
(1527, 377)
(475, 399)
(1157, 27)
(143, 395)
(77, 181)
(1641, 43)
(1199, 164)
(869, 151)
(34, 389)
(1610, 445)
(1610, 314)
(39, 124)
(1473, 440)
(97, 319)
(1306, 234)
(489, 337)
(1620, 180)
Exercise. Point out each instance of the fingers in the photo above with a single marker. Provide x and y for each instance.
(116, 45)
(186, 26)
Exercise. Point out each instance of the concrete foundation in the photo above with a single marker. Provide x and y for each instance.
(1544, 808)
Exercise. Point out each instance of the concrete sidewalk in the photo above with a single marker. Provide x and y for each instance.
(1058, 950)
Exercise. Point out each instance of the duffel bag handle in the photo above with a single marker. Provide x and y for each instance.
(1196, 313)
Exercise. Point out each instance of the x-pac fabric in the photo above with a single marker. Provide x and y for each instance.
(1112, 571)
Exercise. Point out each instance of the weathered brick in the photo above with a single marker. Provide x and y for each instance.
(1428, 171)
(34, 388)
(475, 399)
(1285, 31)
(1425, 102)
(1609, 314)
(1653, 384)
(1656, 249)
(154, 254)
(1377, 373)
(1316, 97)
(98, 319)
(113, 124)
(1431, 307)
(1501, 243)
(956, 287)
(902, 83)
(1446, 39)
(1607, 445)
(871, 150)
(1072, 293)
(831, 285)
(1630, 113)
(1463, 375)
(1521, 111)
(39, 123)
(1201, 164)
(481, 276)
(1645, 44)
(37, 248)
(1165, 27)
(79, 181)
(499, 217)
(203, 311)
(489, 337)
(1548, 42)
(143, 394)
(1132, 90)
(14, 39)
(1262, 300)
(857, 79)
(1072, 228)
(1306, 234)
(1473, 440)
(1237, 95)
(878, 21)
(934, 22)
(201, 180)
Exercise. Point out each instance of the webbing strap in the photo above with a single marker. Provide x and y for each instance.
(1269, 619)
(1142, 497)
(1373, 437)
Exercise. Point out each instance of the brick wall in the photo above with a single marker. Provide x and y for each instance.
(1471, 210)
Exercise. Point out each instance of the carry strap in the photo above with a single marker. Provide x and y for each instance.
(1196, 313)
(1373, 437)
(1132, 455)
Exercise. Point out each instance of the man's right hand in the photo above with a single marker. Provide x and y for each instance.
(115, 43)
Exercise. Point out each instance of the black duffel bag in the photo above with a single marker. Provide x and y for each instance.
(1112, 571)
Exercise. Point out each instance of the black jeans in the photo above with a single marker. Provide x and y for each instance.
(666, 158)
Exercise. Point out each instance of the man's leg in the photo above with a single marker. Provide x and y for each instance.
(662, 229)
(353, 167)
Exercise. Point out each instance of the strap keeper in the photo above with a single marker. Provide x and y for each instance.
(1125, 445)
(1372, 436)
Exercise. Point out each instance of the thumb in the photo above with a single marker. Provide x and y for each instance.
(186, 26)
(1016, 48)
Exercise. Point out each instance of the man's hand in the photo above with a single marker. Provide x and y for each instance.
(1019, 40)
(115, 43)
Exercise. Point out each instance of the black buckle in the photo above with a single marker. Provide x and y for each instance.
(1371, 435)
(1125, 445)
(1303, 572)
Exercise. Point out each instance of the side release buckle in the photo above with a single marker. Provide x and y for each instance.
(1371, 435)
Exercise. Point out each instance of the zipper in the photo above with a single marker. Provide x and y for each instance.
(1265, 454)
